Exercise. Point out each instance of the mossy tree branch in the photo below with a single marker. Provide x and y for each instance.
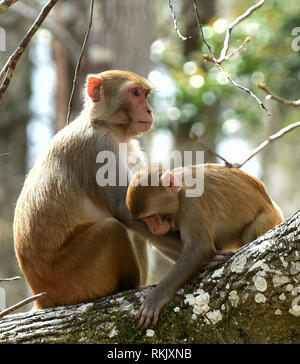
(253, 298)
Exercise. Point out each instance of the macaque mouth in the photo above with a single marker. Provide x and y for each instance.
(145, 122)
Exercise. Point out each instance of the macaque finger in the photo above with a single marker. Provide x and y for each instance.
(148, 319)
(150, 309)
(155, 319)
(225, 252)
(219, 258)
(145, 317)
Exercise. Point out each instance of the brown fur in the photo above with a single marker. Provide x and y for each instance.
(233, 210)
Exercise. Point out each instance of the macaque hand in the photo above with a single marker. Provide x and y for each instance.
(150, 308)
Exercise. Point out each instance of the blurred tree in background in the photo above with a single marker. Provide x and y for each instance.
(189, 91)
(227, 119)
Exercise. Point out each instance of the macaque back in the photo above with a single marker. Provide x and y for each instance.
(233, 210)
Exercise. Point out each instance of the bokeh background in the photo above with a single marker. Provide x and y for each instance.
(139, 35)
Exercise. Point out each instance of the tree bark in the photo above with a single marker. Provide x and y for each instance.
(253, 298)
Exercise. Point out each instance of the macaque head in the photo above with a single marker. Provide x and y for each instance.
(121, 100)
(152, 196)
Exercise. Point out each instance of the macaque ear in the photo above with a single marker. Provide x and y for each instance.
(94, 88)
(170, 182)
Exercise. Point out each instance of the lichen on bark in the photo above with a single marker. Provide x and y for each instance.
(252, 298)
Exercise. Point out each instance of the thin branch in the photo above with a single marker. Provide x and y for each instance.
(57, 30)
(9, 68)
(238, 20)
(5, 4)
(10, 279)
(182, 37)
(21, 304)
(80, 59)
(247, 40)
(271, 138)
(205, 147)
(220, 68)
(271, 96)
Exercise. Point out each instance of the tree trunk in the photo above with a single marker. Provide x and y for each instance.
(253, 298)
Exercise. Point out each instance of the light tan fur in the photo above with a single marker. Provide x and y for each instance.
(69, 233)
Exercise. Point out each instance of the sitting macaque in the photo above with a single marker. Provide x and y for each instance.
(233, 210)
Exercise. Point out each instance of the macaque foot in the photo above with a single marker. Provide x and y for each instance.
(219, 258)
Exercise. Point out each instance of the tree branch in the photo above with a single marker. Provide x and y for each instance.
(238, 20)
(253, 298)
(270, 96)
(204, 146)
(56, 29)
(10, 279)
(270, 139)
(220, 68)
(20, 304)
(5, 4)
(9, 68)
(80, 59)
(182, 37)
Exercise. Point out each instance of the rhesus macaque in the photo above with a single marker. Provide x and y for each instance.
(70, 236)
(233, 210)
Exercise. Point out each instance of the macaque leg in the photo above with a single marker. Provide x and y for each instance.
(263, 222)
(96, 261)
(141, 248)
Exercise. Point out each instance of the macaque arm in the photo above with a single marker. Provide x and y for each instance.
(196, 254)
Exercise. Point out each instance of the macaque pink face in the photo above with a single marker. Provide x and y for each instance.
(131, 103)
(157, 225)
(139, 107)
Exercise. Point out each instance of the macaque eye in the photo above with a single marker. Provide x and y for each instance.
(135, 92)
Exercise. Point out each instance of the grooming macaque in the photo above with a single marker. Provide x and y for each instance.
(233, 210)
(69, 232)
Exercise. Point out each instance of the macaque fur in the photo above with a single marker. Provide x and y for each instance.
(71, 235)
(233, 210)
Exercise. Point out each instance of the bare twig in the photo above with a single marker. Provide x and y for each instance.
(9, 68)
(246, 14)
(271, 138)
(208, 57)
(21, 304)
(57, 30)
(182, 37)
(79, 60)
(10, 279)
(220, 68)
(5, 4)
(270, 96)
(247, 40)
(198, 141)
